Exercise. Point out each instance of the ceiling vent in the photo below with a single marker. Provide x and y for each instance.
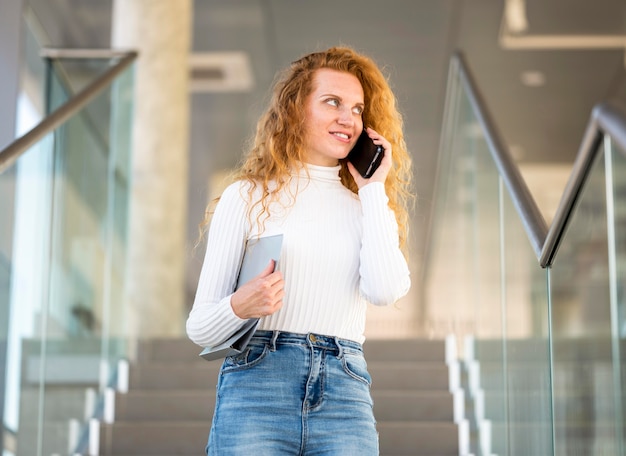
(220, 72)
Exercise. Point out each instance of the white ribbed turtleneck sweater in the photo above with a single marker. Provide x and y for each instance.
(339, 251)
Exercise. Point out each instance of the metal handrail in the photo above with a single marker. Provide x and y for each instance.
(13, 151)
(606, 119)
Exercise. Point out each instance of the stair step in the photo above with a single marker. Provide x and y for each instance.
(528, 403)
(571, 438)
(199, 405)
(385, 375)
(574, 350)
(153, 438)
(569, 378)
(180, 350)
(174, 405)
(409, 350)
(174, 376)
(427, 406)
(409, 376)
(149, 438)
(397, 438)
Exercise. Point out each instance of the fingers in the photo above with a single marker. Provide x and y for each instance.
(379, 139)
(261, 296)
(268, 269)
(269, 291)
(271, 299)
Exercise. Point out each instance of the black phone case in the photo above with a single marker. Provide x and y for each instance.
(366, 156)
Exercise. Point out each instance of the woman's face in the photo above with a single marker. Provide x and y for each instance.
(333, 119)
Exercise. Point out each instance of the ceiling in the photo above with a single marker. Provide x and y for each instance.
(413, 40)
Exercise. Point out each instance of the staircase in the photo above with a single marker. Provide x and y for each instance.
(578, 390)
(168, 407)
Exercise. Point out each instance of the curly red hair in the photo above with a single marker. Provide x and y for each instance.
(278, 145)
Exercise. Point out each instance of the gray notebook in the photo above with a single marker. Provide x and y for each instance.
(256, 257)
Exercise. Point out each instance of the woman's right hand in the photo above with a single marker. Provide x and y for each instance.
(261, 296)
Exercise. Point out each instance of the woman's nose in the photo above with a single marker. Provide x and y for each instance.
(345, 117)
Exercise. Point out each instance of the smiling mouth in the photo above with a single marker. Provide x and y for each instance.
(341, 135)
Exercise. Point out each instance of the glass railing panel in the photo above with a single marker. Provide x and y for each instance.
(498, 307)
(24, 273)
(543, 348)
(452, 235)
(465, 252)
(63, 243)
(464, 219)
(526, 345)
(616, 189)
(24, 264)
(489, 346)
(119, 178)
(583, 364)
(74, 75)
(88, 239)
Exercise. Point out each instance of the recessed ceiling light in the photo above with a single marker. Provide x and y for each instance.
(533, 78)
(220, 72)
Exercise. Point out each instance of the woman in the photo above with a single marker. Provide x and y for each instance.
(302, 387)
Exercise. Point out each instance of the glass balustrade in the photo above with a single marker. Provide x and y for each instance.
(63, 235)
(616, 189)
(543, 348)
(587, 304)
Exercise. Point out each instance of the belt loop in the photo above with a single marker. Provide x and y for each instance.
(273, 341)
(340, 347)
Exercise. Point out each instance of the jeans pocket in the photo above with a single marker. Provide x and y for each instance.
(250, 357)
(355, 366)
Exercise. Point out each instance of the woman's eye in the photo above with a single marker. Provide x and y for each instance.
(333, 102)
(357, 110)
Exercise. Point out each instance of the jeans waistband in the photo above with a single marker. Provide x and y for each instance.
(276, 338)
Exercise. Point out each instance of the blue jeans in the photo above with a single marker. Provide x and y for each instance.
(294, 394)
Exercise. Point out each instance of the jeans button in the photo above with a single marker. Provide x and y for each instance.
(312, 338)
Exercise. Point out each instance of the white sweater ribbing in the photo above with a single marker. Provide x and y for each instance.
(339, 251)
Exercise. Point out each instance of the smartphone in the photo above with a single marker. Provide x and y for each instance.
(366, 156)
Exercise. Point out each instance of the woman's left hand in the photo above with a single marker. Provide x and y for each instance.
(380, 175)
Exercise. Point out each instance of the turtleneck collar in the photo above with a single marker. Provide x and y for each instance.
(319, 173)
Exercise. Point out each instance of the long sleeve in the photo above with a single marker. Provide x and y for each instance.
(383, 269)
(212, 319)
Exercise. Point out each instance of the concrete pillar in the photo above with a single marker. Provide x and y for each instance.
(160, 30)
